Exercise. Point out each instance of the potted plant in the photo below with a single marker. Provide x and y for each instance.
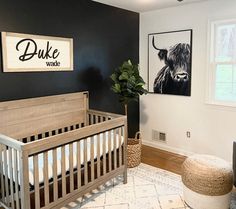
(129, 85)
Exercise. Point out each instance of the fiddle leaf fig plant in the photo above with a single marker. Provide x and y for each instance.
(127, 83)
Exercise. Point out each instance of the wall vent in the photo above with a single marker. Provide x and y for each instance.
(162, 136)
(158, 136)
(155, 135)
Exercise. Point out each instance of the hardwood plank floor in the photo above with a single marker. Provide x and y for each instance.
(162, 159)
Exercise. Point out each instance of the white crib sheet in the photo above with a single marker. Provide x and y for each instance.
(50, 157)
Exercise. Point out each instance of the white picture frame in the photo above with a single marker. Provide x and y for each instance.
(32, 53)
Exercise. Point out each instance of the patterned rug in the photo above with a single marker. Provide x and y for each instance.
(147, 188)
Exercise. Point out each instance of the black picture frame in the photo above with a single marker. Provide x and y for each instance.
(170, 62)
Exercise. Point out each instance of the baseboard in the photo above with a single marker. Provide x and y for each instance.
(167, 148)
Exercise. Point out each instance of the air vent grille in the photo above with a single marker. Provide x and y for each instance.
(162, 136)
(158, 136)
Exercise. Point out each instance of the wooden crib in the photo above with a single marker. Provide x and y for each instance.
(54, 149)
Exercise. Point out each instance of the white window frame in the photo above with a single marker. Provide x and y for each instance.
(211, 64)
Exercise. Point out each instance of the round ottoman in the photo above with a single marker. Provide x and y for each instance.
(207, 182)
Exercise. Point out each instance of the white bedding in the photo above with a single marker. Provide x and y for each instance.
(50, 156)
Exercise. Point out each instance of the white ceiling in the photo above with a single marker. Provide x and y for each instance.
(145, 5)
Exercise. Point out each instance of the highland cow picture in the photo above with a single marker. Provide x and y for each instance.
(169, 62)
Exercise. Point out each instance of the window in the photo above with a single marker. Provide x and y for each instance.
(222, 62)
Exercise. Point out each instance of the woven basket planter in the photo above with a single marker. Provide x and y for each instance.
(134, 147)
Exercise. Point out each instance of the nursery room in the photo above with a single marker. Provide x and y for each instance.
(116, 104)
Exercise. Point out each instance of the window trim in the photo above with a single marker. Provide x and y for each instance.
(211, 65)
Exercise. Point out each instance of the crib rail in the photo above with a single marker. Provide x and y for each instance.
(71, 175)
(10, 172)
(91, 172)
(95, 116)
(63, 138)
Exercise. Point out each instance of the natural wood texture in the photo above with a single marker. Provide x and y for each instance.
(21, 117)
(92, 158)
(11, 175)
(16, 180)
(98, 159)
(104, 155)
(55, 183)
(6, 173)
(67, 137)
(40, 127)
(46, 180)
(162, 159)
(63, 171)
(125, 131)
(36, 182)
(71, 168)
(109, 150)
(78, 166)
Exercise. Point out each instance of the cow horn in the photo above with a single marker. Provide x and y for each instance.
(153, 43)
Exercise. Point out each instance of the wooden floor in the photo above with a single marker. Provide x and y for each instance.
(162, 159)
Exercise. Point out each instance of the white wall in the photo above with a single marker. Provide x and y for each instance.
(213, 128)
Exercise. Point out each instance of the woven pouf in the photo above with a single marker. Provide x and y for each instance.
(207, 182)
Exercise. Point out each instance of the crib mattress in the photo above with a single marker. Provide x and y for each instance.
(67, 155)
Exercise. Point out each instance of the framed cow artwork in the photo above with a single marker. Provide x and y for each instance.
(169, 62)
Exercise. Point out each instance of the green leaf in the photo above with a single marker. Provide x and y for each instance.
(127, 82)
(124, 76)
(140, 84)
(113, 77)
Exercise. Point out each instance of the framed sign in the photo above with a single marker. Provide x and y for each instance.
(28, 53)
(169, 62)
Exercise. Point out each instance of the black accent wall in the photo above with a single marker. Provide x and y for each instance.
(103, 38)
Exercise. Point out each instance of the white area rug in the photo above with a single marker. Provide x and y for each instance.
(147, 188)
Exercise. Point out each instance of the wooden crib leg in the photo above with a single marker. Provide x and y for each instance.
(125, 177)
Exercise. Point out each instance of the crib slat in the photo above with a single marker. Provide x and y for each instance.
(63, 170)
(46, 183)
(120, 151)
(115, 147)
(6, 175)
(104, 154)
(92, 158)
(78, 165)
(11, 177)
(98, 156)
(124, 128)
(71, 164)
(109, 150)
(36, 181)
(85, 162)
(24, 179)
(43, 135)
(28, 139)
(96, 119)
(55, 183)
(1, 170)
(56, 132)
(16, 180)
